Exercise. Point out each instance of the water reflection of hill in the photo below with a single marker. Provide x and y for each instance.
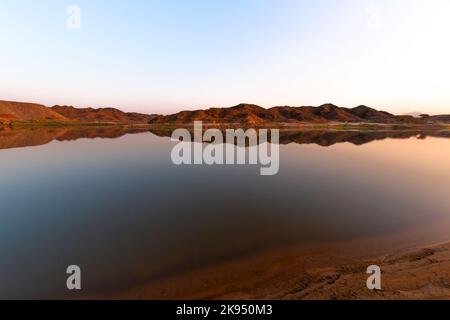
(17, 138)
(329, 138)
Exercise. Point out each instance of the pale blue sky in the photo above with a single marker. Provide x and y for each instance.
(167, 55)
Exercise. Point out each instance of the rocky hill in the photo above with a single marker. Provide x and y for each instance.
(102, 115)
(21, 111)
(253, 114)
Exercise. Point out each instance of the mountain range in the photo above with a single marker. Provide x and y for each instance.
(327, 113)
(241, 114)
(32, 112)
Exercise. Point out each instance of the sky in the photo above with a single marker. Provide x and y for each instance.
(164, 56)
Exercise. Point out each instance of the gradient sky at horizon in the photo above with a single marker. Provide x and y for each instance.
(169, 55)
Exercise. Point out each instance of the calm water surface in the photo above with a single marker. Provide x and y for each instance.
(125, 214)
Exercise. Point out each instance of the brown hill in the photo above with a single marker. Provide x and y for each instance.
(243, 113)
(102, 115)
(21, 111)
(443, 118)
(322, 114)
(253, 114)
(372, 115)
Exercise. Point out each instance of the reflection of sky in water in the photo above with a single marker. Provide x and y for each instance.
(125, 214)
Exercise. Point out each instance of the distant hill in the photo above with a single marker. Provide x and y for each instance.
(253, 114)
(21, 111)
(369, 114)
(102, 115)
(444, 118)
(31, 112)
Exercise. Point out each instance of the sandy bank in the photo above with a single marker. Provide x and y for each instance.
(319, 272)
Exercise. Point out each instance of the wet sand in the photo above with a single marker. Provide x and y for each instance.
(321, 272)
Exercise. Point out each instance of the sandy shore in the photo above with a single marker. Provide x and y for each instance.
(318, 272)
(423, 273)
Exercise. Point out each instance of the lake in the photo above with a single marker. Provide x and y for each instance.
(111, 201)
